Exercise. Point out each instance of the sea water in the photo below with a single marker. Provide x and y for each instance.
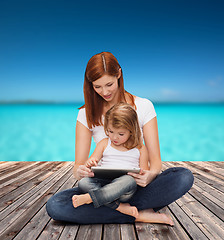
(46, 132)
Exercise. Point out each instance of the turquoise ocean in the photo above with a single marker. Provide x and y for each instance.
(46, 132)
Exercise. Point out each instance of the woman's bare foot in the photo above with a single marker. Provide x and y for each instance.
(78, 200)
(126, 208)
(149, 216)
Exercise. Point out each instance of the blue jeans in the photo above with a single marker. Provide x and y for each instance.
(108, 192)
(167, 187)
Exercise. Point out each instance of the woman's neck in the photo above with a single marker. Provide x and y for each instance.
(110, 104)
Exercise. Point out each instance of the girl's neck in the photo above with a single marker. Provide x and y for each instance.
(120, 147)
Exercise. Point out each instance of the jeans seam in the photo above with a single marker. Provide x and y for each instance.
(94, 199)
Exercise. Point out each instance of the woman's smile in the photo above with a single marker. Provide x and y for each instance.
(107, 96)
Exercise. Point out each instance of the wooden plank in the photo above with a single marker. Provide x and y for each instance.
(209, 224)
(205, 177)
(90, 232)
(217, 164)
(197, 215)
(2, 163)
(128, 232)
(38, 223)
(202, 166)
(17, 171)
(33, 181)
(208, 187)
(7, 167)
(153, 231)
(17, 204)
(12, 224)
(186, 222)
(198, 195)
(112, 231)
(211, 193)
(53, 231)
(69, 232)
(213, 168)
(15, 182)
(161, 231)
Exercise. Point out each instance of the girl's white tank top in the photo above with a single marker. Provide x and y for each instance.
(120, 159)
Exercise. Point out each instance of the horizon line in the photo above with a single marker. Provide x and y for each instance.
(30, 101)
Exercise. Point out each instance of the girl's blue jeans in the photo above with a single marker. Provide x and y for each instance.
(163, 190)
(108, 192)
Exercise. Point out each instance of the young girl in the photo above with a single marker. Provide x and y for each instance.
(124, 149)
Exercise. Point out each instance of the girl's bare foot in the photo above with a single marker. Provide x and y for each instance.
(78, 200)
(149, 216)
(126, 208)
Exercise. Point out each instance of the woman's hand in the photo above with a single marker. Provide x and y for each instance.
(83, 171)
(144, 177)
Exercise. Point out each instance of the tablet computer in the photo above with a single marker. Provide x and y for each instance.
(111, 173)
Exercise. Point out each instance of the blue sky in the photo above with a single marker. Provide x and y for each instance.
(168, 50)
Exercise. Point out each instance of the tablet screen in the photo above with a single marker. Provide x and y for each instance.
(111, 173)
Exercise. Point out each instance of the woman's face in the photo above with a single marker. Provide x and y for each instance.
(106, 87)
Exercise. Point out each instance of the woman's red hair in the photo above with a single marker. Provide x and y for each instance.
(101, 64)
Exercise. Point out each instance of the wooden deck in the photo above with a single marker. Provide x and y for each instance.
(26, 187)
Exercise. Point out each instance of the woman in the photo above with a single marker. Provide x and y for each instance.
(103, 88)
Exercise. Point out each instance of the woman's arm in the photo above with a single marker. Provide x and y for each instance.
(151, 138)
(82, 148)
(144, 159)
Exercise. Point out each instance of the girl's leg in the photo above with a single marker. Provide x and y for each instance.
(85, 185)
(79, 200)
(120, 188)
(93, 185)
(110, 194)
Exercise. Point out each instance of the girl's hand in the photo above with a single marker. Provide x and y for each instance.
(144, 177)
(83, 171)
(91, 162)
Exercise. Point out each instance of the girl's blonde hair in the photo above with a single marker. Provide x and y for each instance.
(101, 64)
(123, 115)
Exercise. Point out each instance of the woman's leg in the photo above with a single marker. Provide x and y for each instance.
(173, 183)
(166, 188)
(150, 216)
(60, 208)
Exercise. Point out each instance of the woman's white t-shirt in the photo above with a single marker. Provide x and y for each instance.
(145, 111)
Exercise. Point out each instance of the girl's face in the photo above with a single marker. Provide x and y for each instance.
(107, 87)
(118, 136)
